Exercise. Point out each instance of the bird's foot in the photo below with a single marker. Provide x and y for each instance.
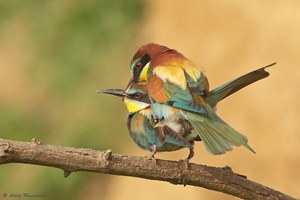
(185, 162)
(151, 155)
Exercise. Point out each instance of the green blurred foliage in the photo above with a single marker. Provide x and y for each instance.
(70, 49)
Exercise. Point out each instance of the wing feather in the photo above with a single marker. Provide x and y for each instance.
(178, 83)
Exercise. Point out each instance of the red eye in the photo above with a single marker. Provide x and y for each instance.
(137, 95)
(139, 64)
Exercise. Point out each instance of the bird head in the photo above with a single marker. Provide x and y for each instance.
(135, 97)
(141, 61)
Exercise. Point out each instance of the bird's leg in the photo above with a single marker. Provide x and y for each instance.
(191, 154)
(185, 165)
(153, 152)
(187, 160)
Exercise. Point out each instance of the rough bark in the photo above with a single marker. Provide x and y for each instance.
(78, 159)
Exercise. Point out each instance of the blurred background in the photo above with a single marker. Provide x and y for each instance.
(55, 54)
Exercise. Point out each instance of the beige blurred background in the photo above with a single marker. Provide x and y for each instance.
(228, 38)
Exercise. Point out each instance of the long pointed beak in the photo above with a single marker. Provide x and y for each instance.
(115, 92)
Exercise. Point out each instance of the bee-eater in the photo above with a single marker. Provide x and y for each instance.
(178, 90)
(155, 139)
(171, 135)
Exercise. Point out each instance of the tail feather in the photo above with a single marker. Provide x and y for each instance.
(233, 136)
(217, 136)
(225, 90)
(215, 142)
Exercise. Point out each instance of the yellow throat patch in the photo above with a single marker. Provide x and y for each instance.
(134, 106)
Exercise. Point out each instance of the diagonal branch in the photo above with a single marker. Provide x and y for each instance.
(78, 159)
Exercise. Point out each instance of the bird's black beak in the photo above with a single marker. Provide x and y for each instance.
(115, 92)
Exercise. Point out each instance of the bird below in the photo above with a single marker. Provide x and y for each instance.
(167, 136)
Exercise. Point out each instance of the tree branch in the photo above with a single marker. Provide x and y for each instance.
(78, 159)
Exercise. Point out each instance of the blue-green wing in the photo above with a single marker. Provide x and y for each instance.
(217, 136)
(145, 135)
(186, 99)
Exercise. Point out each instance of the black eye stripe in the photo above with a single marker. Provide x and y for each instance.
(145, 59)
(137, 95)
(142, 98)
(139, 65)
